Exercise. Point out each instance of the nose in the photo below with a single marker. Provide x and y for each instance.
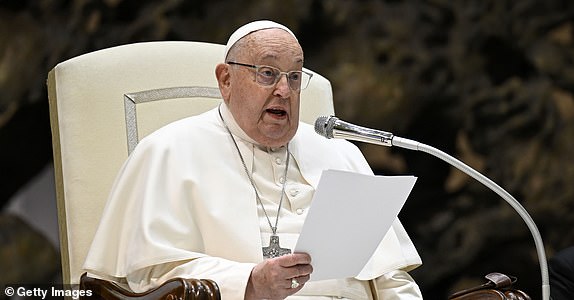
(282, 88)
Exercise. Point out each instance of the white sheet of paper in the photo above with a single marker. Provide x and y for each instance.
(348, 218)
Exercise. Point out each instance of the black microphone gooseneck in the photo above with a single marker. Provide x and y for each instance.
(333, 127)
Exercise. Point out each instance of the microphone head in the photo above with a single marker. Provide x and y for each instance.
(324, 126)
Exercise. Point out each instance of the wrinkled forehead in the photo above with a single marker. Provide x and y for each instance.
(271, 45)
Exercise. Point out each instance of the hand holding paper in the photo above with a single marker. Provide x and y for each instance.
(350, 215)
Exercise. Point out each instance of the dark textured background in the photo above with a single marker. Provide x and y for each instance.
(488, 81)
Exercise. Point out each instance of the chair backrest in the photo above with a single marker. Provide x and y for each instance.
(102, 103)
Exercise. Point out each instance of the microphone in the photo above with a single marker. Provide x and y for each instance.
(332, 127)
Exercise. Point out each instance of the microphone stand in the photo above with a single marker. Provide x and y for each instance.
(414, 145)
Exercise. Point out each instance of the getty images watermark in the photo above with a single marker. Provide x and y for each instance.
(56, 291)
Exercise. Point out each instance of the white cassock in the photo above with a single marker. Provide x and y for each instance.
(183, 206)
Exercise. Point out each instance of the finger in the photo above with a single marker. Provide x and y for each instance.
(294, 259)
(294, 284)
(303, 279)
(300, 270)
(294, 287)
(296, 271)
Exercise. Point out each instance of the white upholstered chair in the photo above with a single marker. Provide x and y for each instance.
(102, 103)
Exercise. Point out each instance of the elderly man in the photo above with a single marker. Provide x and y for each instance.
(223, 195)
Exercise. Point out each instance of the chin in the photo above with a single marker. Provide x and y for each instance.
(277, 139)
(275, 142)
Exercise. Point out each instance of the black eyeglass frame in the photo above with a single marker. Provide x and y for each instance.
(278, 76)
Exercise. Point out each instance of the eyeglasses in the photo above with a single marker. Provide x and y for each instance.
(268, 76)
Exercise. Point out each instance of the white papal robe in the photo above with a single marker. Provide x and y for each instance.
(183, 206)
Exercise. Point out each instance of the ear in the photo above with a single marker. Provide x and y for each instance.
(223, 80)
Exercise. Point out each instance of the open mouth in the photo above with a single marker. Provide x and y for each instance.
(277, 112)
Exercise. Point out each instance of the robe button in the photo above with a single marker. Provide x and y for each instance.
(282, 180)
(300, 211)
(294, 192)
(278, 161)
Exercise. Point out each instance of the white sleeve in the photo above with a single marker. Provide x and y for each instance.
(231, 277)
(397, 285)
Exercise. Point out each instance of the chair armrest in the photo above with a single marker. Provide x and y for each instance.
(173, 289)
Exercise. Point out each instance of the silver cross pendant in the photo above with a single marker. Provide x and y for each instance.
(274, 249)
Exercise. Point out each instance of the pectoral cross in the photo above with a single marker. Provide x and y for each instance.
(274, 249)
